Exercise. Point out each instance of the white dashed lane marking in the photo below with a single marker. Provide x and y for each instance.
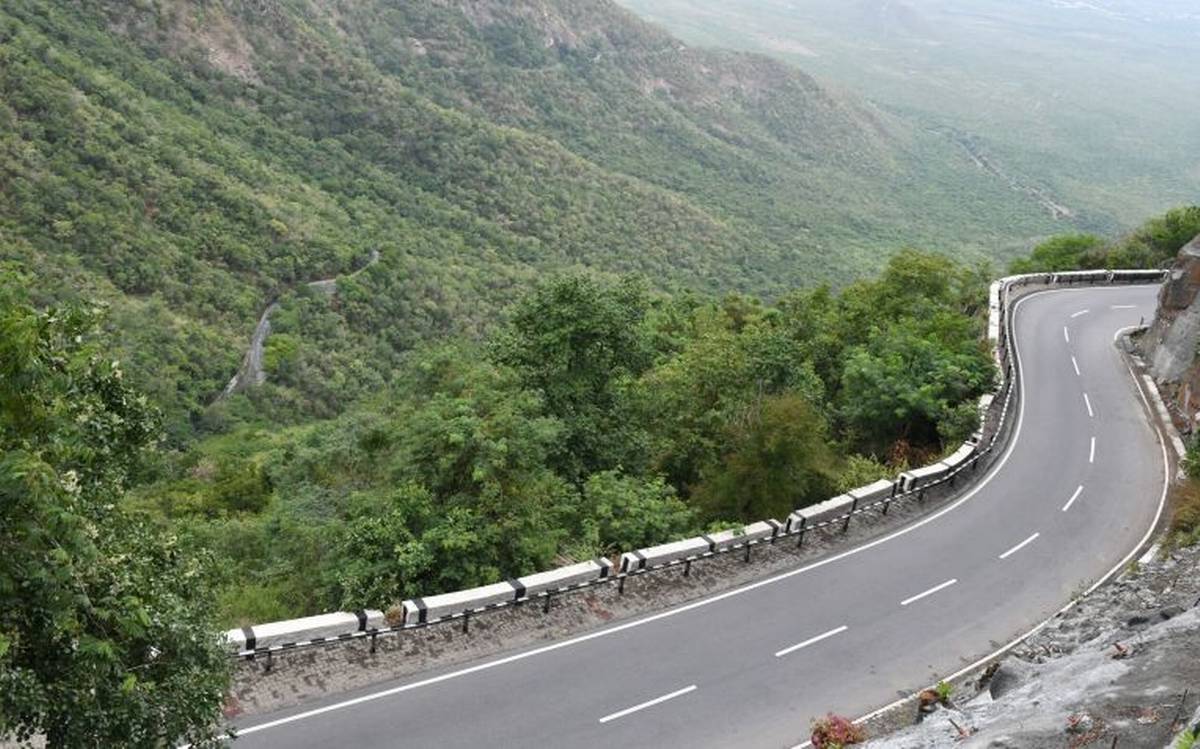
(929, 592)
(1074, 497)
(1019, 546)
(648, 703)
(812, 640)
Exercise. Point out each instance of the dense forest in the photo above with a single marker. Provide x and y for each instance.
(562, 349)
(188, 162)
(601, 415)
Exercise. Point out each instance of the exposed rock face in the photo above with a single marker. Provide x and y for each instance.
(1171, 343)
(1120, 667)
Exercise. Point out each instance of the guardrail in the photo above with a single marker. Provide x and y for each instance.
(460, 606)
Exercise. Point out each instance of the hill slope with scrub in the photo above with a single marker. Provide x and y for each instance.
(189, 162)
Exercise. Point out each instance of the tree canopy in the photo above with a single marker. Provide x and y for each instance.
(106, 635)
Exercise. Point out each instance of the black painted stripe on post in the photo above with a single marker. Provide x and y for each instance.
(518, 588)
(775, 526)
(251, 641)
(362, 620)
(422, 610)
(712, 545)
(604, 566)
(641, 559)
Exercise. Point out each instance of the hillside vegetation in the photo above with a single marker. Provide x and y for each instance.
(187, 162)
(1077, 103)
(601, 417)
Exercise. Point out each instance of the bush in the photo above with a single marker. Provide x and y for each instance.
(1185, 524)
(860, 470)
(835, 732)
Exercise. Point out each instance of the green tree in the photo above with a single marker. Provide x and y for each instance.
(579, 341)
(779, 461)
(105, 630)
(1065, 252)
(383, 559)
(903, 381)
(625, 512)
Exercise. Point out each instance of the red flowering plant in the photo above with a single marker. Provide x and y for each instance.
(836, 732)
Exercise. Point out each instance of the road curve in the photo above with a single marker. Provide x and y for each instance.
(1075, 492)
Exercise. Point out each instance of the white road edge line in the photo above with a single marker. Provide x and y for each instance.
(1162, 502)
(1066, 334)
(812, 641)
(1088, 402)
(1013, 440)
(648, 703)
(1074, 497)
(1092, 452)
(1080, 312)
(931, 591)
(1124, 306)
(1076, 365)
(1019, 546)
(1148, 557)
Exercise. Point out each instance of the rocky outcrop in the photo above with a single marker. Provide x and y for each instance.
(1122, 667)
(1170, 346)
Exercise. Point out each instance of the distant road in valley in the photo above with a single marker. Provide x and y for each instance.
(251, 373)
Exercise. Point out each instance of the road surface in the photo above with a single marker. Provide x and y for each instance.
(1075, 492)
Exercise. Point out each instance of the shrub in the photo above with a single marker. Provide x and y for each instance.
(835, 732)
(1185, 523)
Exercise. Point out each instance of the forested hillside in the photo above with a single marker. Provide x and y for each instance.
(188, 162)
(601, 417)
(1077, 102)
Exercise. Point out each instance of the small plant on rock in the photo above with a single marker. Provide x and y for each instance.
(836, 732)
(944, 690)
(1187, 738)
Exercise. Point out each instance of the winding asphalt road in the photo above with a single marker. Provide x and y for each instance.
(1074, 494)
